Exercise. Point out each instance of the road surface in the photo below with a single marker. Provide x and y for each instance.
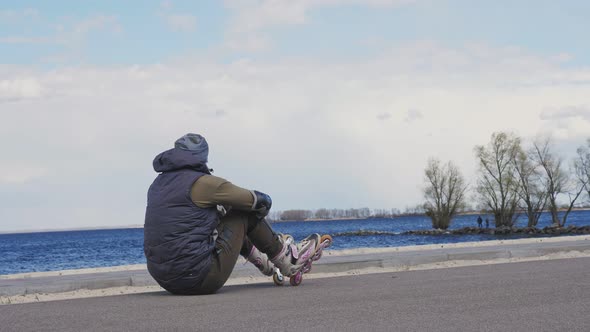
(551, 295)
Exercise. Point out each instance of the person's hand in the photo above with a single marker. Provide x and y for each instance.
(262, 204)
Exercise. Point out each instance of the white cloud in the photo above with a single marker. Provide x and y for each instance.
(166, 4)
(27, 40)
(16, 15)
(20, 89)
(252, 17)
(71, 34)
(11, 173)
(181, 22)
(280, 127)
(567, 121)
(413, 115)
(248, 42)
(383, 116)
(81, 29)
(566, 112)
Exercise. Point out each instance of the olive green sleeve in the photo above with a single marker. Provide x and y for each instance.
(210, 191)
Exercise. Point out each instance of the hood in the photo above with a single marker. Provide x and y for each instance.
(190, 151)
(175, 159)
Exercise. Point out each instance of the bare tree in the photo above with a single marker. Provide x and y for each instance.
(322, 214)
(415, 210)
(444, 192)
(531, 191)
(364, 213)
(558, 181)
(582, 166)
(497, 185)
(274, 216)
(296, 214)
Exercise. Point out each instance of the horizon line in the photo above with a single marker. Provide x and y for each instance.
(50, 230)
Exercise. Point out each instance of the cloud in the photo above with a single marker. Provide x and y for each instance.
(20, 89)
(19, 174)
(566, 112)
(80, 29)
(11, 16)
(166, 4)
(413, 115)
(248, 42)
(281, 127)
(178, 22)
(383, 116)
(181, 22)
(27, 40)
(252, 17)
(71, 34)
(563, 57)
(567, 121)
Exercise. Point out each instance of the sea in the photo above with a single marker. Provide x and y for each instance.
(64, 250)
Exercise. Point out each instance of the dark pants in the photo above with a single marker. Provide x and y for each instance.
(237, 233)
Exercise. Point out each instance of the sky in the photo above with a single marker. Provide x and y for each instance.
(319, 103)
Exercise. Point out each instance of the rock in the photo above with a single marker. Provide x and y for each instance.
(504, 230)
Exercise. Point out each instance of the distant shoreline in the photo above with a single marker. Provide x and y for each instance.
(467, 213)
(55, 230)
(96, 228)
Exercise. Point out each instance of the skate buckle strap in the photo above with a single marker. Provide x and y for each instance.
(307, 254)
(258, 263)
(294, 251)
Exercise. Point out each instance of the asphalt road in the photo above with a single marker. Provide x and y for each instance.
(531, 296)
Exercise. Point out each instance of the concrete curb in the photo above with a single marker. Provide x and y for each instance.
(328, 264)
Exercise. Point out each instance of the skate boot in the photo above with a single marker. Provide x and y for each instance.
(293, 257)
(261, 261)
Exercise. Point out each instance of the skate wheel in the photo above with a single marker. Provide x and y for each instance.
(327, 239)
(278, 280)
(296, 279)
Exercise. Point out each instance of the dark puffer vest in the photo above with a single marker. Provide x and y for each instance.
(178, 235)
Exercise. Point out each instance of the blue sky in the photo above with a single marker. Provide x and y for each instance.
(138, 32)
(320, 103)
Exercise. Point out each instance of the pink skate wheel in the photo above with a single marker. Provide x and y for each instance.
(296, 279)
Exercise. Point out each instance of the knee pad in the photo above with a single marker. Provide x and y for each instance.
(262, 203)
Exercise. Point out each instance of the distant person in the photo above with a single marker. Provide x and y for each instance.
(487, 223)
(479, 221)
(197, 224)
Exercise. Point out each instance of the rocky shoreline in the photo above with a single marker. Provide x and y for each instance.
(505, 231)
(548, 231)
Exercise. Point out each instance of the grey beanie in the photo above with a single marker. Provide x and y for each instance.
(194, 143)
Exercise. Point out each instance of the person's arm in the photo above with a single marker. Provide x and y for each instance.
(209, 191)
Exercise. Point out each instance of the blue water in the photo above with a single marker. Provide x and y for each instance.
(50, 251)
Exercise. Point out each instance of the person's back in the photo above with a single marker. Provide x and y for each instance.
(178, 240)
